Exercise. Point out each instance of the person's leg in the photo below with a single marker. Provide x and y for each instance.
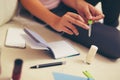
(106, 38)
(111, 10)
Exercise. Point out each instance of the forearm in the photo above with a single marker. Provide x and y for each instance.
(36, 8)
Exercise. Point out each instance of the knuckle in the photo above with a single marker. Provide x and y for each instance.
(68, 13)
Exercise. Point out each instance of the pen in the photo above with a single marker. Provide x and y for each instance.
(90, 22)
(47, 65)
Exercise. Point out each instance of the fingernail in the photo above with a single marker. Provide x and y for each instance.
(90, 17)
(77, 34)
(71, 33)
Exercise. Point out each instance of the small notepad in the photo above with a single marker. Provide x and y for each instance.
(14, 38)
(59, 49)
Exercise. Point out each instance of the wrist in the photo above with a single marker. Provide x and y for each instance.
(52, 22)
(77, 3)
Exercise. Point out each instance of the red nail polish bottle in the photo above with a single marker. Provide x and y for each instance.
(17, 69)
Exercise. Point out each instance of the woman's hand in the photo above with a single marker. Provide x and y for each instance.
(87, 11)
(67, 21)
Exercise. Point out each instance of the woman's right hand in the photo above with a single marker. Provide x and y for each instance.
(87, 11)
(65, 23)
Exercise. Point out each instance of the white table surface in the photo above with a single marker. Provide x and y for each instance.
(101, 68)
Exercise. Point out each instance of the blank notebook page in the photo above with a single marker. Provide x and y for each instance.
(62, 49)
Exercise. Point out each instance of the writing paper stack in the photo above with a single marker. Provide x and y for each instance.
(14, 38)
(59, 49)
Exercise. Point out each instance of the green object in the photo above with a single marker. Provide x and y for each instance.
(86, 73)
(90, 22)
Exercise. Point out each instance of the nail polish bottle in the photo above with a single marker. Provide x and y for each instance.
(91, 54)
(17, 69)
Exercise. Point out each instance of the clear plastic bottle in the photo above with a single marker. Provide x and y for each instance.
(91, 54)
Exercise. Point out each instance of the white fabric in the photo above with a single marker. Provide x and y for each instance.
(50, 4)
(7, 10)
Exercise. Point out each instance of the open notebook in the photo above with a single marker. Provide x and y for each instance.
(59, 49)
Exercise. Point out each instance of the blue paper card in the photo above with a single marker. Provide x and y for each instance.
(61, 76)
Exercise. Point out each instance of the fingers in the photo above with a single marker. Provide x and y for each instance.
(76, 16)
(68, 21)
(71, 27)
(68, 31)
(77, 20)
(97, 18)
(90, 12)
(96, 14)
(87, 13)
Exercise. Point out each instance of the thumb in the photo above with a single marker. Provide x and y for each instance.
(88, 13)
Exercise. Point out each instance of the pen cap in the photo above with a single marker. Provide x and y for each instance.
(91, 54)
(17, 69)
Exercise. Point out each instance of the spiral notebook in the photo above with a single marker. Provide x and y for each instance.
(59, 49)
